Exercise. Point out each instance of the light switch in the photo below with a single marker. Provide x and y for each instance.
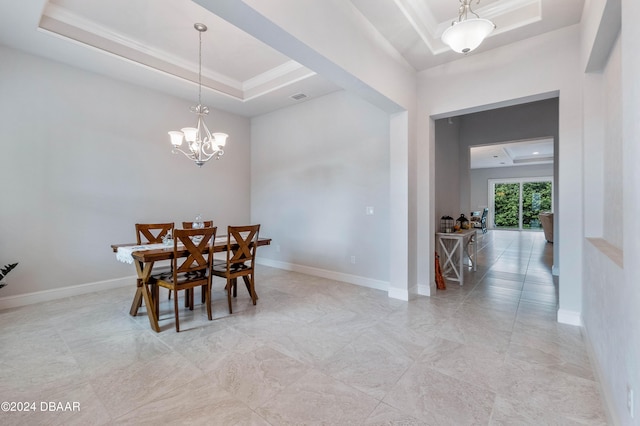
(369, 211)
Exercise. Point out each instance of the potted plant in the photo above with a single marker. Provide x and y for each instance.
(4, 271)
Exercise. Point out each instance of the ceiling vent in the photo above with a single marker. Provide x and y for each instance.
(298, 96)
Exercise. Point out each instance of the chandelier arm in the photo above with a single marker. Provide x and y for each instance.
(471, 10)
(190, 155)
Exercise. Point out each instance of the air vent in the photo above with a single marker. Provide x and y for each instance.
(298, 96)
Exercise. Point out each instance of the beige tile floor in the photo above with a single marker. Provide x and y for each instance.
(313, 351)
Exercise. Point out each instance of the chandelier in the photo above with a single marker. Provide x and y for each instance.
(466, 34)
(203, 145)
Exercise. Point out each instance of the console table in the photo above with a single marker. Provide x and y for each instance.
(453, 247)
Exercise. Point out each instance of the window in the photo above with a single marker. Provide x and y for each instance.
(516, 203)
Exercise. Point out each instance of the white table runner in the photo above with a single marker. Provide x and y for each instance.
(124, 253)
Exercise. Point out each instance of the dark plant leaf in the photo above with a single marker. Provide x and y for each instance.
(4, 271)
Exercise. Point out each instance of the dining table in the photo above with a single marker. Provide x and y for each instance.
(145, 256)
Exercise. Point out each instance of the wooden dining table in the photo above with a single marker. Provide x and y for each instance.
(144, 261)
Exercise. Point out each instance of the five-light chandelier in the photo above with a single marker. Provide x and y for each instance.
(203, 145)
(466, 33)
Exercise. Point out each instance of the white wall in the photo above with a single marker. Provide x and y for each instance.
(315, 168)
(612, 290)
(612, 153)
(514, 74)
(332, 38)
(84, 158)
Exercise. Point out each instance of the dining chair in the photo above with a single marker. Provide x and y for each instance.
(189, 225)
(154, 233)
(242, 242)
(190, 271)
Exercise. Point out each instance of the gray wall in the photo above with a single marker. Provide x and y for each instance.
(455, 136)
(447, 174)
(84, 158)
(525, 121)
(315, 168)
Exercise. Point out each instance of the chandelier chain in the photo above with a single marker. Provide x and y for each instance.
(200, 68)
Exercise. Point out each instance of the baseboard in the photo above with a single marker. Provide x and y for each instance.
(608, 398)
(426, 290)
(569, 317)
(60, 293)
(332, 275)
(396, 293)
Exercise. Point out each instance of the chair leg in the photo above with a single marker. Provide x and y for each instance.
(202, 293)
(156, 299)
(175, 308)
(249, 283)
(229, 285)
(205, 289)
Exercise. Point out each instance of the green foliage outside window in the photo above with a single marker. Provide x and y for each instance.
(507, 198)
(536, 198)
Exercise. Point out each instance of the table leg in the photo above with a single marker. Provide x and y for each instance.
(144, 272)
(449, 257)
(137, 299)
(461, 262)
(475, 252)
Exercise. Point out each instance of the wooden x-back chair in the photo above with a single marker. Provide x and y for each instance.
(189, 225)
(191, 271)
(152, 233)
(242, 242)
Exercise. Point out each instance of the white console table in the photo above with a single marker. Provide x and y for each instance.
(453, 247)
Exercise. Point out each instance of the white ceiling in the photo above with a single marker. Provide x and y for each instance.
(153, 43)
(516, 153)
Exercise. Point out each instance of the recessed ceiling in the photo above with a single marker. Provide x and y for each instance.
(515, 153)
(153, 43)
(414, 27)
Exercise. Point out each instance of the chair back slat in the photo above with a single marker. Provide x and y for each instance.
(242, 242)
(152, 233)
(196, 242)
(189, 225)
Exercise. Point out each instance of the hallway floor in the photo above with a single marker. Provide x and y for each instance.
(313, 351)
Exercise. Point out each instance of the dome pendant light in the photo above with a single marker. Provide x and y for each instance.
(464, 35)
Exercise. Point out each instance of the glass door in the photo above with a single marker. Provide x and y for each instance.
(518, 202)
(536, 198)
(506, 205)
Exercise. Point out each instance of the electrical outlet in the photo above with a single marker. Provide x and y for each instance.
(630, 406)
(353, 260)
(369, 211)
